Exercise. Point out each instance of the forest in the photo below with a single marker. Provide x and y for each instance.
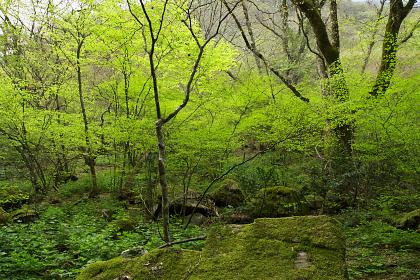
(191, 139)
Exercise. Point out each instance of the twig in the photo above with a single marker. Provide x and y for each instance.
(182, 241)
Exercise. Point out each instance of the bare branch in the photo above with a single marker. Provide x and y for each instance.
(169, 244)
(261, 56)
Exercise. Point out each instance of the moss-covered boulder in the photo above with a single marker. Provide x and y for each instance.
(277, 202)
(24, 215)
(309, 247)
(187, 205)
(123, 224)
(410, 220)
(228, 194)
(4, 217)
(315, 203)
(12, 197)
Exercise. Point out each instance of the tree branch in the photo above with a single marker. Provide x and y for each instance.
(169, 244)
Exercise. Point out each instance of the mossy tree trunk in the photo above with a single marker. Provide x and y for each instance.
(397, 13)
(329, 47)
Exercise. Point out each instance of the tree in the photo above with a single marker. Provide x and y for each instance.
(76, 27)
(28, 62)
(397, 13)
(153, 20)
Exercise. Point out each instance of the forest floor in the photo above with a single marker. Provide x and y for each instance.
(73, 231)
(377, 250)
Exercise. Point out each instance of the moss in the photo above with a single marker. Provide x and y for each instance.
(277, 202)
(4, 217)
(124, 224)
(159, 264)
(24, 215)
(266, 249)
(410, 220)
(228, 193)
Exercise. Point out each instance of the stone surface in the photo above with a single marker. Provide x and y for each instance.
(4, 217)
(410, 220)
(276, 202)
(228, 194)
(294, 248)
(206, 207)
(24, 215)
(197, 219)
(133, 252)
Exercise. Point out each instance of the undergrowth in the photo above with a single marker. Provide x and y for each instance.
(65, 238)
(376, 249)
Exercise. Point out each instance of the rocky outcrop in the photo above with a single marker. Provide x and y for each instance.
(410, 220)
(4, 217)
(188, 205)
(308, 247)
(277, 201)
(228, 194)
(24, 215)
(133, 252)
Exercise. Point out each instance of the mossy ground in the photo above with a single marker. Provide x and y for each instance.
(266, 249)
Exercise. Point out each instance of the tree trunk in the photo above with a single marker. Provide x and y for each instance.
(150, 183)
(397, 13)
(89, 158)
(251, 35)
(162, 180)
(373, 35)
(330, 51)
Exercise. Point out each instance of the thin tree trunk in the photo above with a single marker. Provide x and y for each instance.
(89, 158)
(373, 35)
(163, 181)
(251, 34)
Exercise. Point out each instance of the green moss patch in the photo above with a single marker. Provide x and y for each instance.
(228, 194)
(310, 247)
(410, 220)
(277, 202)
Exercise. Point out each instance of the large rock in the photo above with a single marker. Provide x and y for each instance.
(133, 252)
(410, 220)
(24, 215)
(276, 202)
(206, 207)
(228, 194)
(4, 217)
(310, 247)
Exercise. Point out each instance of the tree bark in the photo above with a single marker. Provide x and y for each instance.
(163, 181)
(373, 35)
(330, 51)
(89, 158)
(397, 13)
(251, 34)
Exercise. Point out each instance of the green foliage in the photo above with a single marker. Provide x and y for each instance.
(66, 238)
(376, 249)
(12, 197)
(4, 217)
